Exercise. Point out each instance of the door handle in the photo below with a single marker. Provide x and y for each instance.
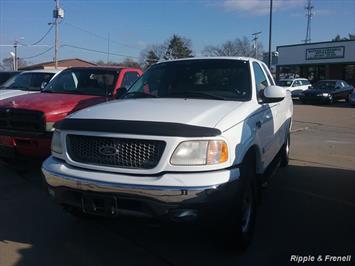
(258, 124)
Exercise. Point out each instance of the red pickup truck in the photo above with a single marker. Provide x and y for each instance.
(26, 122)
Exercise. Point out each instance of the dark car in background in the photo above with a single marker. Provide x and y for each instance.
(6, 75)
(327, 91)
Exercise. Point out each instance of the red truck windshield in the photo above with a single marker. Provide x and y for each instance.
(98, 82)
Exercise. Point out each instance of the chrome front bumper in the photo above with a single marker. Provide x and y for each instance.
(57, 177)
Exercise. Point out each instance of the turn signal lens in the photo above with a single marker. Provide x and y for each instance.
(217, 152)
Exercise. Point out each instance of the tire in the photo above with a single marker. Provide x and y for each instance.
(331, 99)
(303, 101)
(285, 152)
(241, 221)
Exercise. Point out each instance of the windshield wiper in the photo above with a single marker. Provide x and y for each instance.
(195, 93)
(138, 94)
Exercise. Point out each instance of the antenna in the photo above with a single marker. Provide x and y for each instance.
(309, 14)
(255, 40)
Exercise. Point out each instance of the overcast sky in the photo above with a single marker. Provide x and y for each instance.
(134, 24)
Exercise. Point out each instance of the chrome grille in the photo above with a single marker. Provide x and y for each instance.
(20, 119)
(115, 152)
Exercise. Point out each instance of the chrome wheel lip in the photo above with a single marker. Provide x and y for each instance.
(247, 203)
(287, 147)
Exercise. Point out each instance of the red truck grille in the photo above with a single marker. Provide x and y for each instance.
(115, 152)
(19, 119)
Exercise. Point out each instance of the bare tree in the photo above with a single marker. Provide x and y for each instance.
(128, 62)
(8, 63)
(237, 47)
(152, 54)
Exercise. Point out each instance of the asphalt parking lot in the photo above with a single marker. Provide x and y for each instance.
(308, 209)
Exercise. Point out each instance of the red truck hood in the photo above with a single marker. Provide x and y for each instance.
(55, 106)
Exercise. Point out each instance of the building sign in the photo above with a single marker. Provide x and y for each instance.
(325, 53)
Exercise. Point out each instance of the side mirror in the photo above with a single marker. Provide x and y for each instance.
(43, 85)
(273, 94)
(120, 92)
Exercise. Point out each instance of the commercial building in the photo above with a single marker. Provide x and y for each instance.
(317, 61)
(73, 62)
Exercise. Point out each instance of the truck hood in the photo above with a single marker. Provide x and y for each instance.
(206, 113)
(12, 93)
(55, 106)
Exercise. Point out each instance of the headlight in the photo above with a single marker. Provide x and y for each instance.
(325, 94)
(57, 142)
(200, 153)
(49, 126)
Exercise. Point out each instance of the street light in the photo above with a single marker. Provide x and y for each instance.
(13, 55)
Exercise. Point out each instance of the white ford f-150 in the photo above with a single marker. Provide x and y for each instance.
(191, 139)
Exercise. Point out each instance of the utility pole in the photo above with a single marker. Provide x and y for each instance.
(309, 14)
(255, 40)
(16, 56)
(270, 34)
(58, 14)
(108, 48)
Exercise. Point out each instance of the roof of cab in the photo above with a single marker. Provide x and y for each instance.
(241, 58)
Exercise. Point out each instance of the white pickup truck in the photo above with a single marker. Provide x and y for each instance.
(191, 139)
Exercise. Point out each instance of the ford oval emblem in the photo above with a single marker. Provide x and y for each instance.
(108, 150)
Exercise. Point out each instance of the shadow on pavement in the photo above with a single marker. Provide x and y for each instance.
(305, 211)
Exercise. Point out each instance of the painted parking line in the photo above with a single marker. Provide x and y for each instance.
(299, 129)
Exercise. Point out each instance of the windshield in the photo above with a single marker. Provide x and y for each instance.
(27, 81)
(284, 83)
(98, 82)
(4, 76)
(325, 85)
(204, 79)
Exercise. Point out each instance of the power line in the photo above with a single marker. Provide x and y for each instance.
(45, 35)
(46, 51)
(97, 51)
(102, 37)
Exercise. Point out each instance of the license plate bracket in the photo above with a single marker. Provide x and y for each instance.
(99, 205)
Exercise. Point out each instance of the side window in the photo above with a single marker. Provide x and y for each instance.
(305, 82)
(271, 80)
(39, 78)
(296, 83)
(260, 79)
(129, 78)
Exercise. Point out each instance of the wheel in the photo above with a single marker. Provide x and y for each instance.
(241, 221)
(303, 100)
(348, 99)
(285, 152)
(330, 99)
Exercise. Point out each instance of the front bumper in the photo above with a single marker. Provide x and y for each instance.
(144, 198)
(316, 98)
(23, 146)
